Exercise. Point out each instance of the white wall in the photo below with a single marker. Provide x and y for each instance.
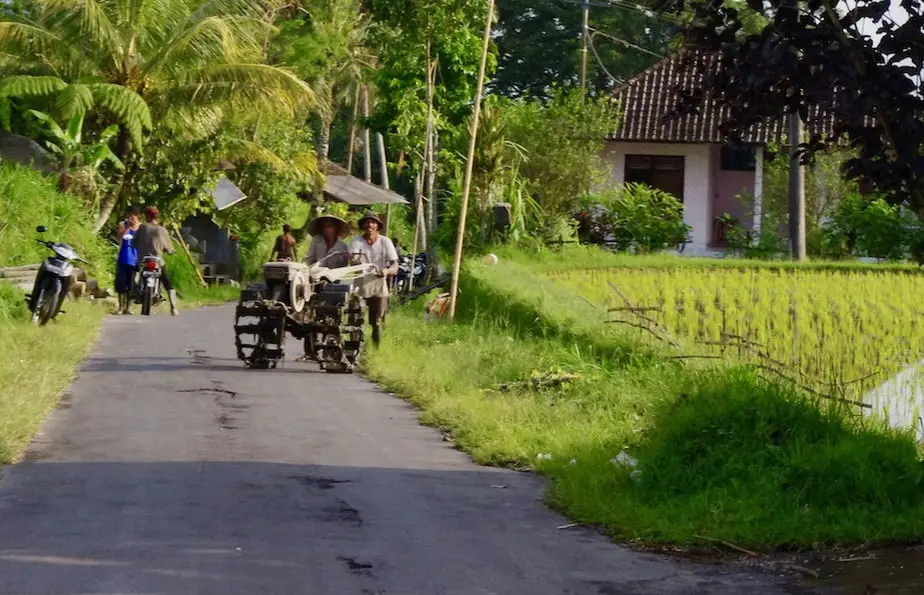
(697, 181)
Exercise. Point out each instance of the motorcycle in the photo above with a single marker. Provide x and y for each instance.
(150, 294)
(52, 281)
(402, 282)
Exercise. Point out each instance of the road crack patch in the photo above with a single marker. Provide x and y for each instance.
(341, 511)
(322, 483)
(358, 568)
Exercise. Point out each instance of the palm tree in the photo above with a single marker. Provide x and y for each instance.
(331, 55)
(174, 67)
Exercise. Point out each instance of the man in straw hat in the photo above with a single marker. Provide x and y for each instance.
(380, 251)
(327, 232)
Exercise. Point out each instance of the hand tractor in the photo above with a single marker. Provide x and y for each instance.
(320, 306)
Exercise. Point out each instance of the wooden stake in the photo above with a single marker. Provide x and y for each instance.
(457, 262)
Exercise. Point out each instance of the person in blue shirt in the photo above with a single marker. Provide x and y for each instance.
(127, 262)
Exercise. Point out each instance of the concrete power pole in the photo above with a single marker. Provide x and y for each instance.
(796, 181)
(796, 190)
(585, 9)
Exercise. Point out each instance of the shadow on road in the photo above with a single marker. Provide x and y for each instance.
(160, 364)
(235, 527)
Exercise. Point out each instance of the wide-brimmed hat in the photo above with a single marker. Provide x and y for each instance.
(370, 215)
(343, 228)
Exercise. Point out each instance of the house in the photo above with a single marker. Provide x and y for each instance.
(688, 156)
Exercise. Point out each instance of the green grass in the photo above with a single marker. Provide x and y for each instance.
(721, 453)
(592, 257)
(37, 365)
(27, 199)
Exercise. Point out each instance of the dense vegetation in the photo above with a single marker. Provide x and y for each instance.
(712, 449)
(152, 102)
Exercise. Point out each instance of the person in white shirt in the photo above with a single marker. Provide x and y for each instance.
(379, 250)
(327, 232)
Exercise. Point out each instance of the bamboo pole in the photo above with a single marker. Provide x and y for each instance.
(467, 187)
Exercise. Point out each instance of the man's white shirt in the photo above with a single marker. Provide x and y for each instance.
(380, 253)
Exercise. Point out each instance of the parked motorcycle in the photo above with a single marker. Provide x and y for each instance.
(52, 281)
(150, 294)
(403, 278)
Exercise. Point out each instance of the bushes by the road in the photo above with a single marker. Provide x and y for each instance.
(29, 199)
(530, 375)
(37, 362)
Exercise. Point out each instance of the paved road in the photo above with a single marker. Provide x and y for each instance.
(170, 469)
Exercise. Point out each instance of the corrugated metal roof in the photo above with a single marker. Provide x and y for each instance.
(226, 194)
(341, 186)
(646, 100)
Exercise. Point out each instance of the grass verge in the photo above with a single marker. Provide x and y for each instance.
(38, 365)
(719, 453)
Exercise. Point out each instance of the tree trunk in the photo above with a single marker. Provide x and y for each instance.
(367, 149)
(383, 164)
(430, 160)
(352, 146)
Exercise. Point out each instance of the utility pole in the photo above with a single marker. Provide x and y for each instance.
(585, 9)
(467, 185)
(796, 190)
(796, 177)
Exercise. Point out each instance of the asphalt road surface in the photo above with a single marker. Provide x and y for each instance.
(171, 469)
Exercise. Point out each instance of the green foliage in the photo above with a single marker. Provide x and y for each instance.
(452, 29)
(539, 46)
(864, 227)
(27, 199)
(635, 217)
(766, 464)
(189, 66)
(721, 453)
(564, 141)
(37, 365)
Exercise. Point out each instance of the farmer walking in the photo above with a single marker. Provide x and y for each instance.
(377, 249)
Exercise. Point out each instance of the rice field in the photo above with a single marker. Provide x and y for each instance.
(838, 333)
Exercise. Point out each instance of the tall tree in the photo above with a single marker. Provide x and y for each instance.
(326, 44)
(417, 38)
(539, 45)
(174, 67)
(820, 61)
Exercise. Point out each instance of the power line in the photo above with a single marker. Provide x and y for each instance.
(593, 48)
(625, 43)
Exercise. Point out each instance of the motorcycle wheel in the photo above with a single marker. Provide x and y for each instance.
(147, 297)
(48, 299)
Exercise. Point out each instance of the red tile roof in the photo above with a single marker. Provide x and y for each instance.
(646, 100)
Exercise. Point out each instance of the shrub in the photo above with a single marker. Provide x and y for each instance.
(636, 217)
(864, 227)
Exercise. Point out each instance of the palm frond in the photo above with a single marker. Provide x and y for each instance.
(214, 39)
(89, 18)
(17, 33)
(247, 86)
(131, 110)
(246, 151)
(24, 85)
(191, 124)
(260, 9)
(306, 163)
(75, 99)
